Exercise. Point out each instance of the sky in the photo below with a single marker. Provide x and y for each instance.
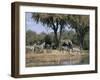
(30, 24)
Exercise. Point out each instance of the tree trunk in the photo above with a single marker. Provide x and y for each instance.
(56, 38)
(60, 36)
(81, 44)
(81, 41)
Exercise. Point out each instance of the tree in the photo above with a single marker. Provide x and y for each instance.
(47, 39)
(53, 21)
(58, 22)
(31, 36)
(81, 25)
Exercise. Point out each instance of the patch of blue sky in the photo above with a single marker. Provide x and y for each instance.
(30, 24)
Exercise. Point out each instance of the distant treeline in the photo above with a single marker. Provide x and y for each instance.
(32, 37)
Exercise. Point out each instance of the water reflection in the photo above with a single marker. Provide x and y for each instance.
(72, 60)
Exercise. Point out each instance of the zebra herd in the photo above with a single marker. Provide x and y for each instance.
(39, 47)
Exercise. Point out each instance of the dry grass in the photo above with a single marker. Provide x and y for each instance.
(53, 57)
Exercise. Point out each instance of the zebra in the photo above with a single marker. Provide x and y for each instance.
(29, 49)
(39, 48)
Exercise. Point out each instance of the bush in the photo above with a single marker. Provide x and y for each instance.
(47, 39)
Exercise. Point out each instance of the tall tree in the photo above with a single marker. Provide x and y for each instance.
(59, 21)
(81, 25)
(54, 21)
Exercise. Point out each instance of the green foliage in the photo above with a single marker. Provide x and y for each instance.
(71, 35)
(32, 37)
(75, 39)
(48, 39)
(81, 25)
(53, 21)
(50, 20)
(86, 42)
(58, 23)
(68, 34)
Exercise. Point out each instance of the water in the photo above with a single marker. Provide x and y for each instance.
(72, 61)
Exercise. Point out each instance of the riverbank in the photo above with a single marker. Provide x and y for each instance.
(54, 58)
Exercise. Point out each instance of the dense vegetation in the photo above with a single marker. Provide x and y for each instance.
(33, 37)
(73, 27)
